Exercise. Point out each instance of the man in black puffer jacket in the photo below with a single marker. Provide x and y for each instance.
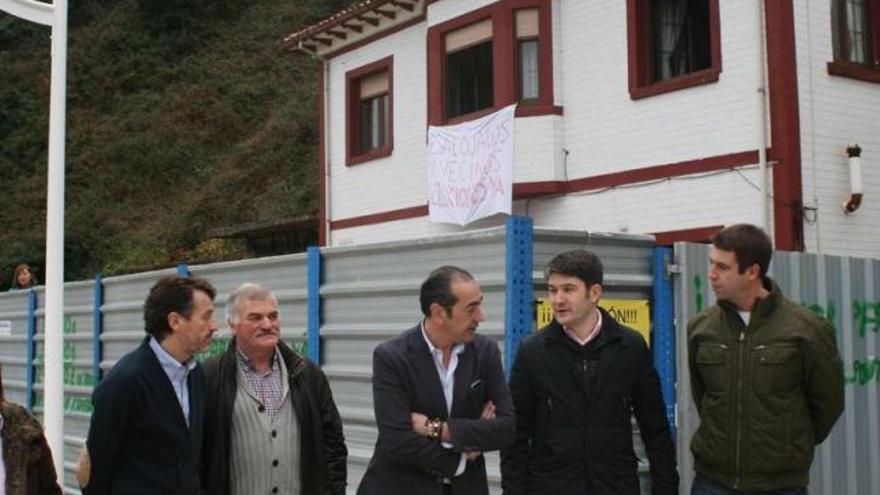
(576, 385)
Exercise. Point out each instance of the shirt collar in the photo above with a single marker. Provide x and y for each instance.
(590, 336)
(456, 349)
(1, 423)
(167, 360)
(248, 363)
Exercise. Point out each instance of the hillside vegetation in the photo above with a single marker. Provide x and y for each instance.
(182, 116)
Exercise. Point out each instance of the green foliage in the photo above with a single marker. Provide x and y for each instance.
(182, 116)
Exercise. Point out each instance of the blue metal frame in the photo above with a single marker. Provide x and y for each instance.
(31, 348)
(313, 290)
(664, 330)
(519, 296)
(97, 329)
(183, 270)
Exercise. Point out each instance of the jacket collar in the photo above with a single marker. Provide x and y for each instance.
(294, 362)
(609, 333)
(762, 308)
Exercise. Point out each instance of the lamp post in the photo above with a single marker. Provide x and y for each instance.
(55, 16)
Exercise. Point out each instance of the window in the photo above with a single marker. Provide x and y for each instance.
(855, 30)
(469, 68)
(373, 128)
(673, 44)
(369, 116)
(528, 63)
(489, 58)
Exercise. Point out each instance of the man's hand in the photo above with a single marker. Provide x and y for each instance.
(472, 455)
(418, 423)
(488, 410)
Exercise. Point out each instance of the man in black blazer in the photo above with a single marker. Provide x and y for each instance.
(146, 429)
(440, 397)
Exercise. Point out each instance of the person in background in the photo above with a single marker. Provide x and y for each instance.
(26, 464)
(22, 278)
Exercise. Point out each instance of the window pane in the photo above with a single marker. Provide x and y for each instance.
(528, 69)
(373, 123)
(469, 85)
(855, 31)
(680, 37)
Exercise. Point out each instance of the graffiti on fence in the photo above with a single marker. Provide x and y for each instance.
(73, 376)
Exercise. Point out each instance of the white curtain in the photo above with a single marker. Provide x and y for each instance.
(671, 20)
(855, 22)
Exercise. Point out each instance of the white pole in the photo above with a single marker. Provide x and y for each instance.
(53, 381)
(54, 15)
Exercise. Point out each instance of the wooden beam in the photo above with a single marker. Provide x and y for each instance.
(339, 34)
(354, 27)
(323, 41)
(404, 5)
(369, 20)
(387, 13)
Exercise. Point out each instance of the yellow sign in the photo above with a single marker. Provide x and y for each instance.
(635, 314)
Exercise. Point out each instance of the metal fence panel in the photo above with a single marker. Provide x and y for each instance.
(841, 289)
(13, 347)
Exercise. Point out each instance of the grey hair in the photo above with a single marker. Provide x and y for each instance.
(246, 292)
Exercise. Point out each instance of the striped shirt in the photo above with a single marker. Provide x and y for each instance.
(267, 386)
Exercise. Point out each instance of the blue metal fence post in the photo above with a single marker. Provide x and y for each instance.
(31, 349)
(313, 289)
(519, 297)
(664, 330)
(183, 270)
(97, 329)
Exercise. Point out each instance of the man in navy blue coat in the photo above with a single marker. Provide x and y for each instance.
(440, 397)
(146, 429)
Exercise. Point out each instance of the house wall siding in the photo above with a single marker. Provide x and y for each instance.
(602, 130)
(835, 112)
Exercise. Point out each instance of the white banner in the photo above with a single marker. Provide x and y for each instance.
(470, 168)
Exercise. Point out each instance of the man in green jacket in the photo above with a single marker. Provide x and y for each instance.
(766, 376)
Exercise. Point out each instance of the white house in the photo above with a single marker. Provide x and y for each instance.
(672, 118)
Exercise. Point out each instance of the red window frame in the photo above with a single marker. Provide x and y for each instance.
(639, 53)
(504, 57)
(353, 78)
(865, 72)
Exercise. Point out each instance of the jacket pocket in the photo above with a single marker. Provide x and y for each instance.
(712, 363)
(777, 368)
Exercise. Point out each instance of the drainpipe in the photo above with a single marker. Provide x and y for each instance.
(325, 115)
(761, 107)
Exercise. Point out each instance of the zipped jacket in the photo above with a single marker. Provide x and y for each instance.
(766, 392)
(574, 409)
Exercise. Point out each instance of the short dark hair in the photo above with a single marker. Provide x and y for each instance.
(749, 243)
(579, 263)
(172, 294)
(437, 288)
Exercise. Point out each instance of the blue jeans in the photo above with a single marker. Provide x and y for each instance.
(702, 486)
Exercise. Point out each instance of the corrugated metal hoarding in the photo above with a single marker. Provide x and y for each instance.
(844, 290)
(368, 294)
(13, 344)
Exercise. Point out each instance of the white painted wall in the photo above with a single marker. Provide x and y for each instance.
(835, 112)
(604, 130)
